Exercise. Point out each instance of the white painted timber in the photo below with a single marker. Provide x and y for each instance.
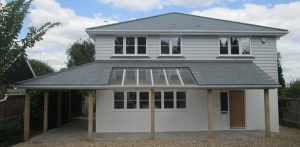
(198, 48)
(193, 118)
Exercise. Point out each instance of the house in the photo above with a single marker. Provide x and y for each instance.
(176, 72)
(12, 100)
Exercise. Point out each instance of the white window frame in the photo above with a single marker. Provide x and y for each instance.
(170, 46)
(162, 101)
(135, 46)
(229, 46)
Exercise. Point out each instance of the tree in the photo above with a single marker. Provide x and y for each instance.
(280, 75)
(81, 52)
(293, 90)
(40, 68)
(12, 49)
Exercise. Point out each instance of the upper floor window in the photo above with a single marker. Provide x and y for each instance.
(234, 46)
(170, 45)
(130, 45)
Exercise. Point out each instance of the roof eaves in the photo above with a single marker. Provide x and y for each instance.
(39, 77)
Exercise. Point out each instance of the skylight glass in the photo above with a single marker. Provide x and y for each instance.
(144, 76)
(159, 76)
(173, 77)
(130, 77)
(186, 76)
(151, 76)
(116, 76)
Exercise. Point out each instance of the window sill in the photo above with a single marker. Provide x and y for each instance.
(235, 57)
(129, 56)
(171, 56)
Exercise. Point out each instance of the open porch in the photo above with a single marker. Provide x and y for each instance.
(154, 76)
(76, 130)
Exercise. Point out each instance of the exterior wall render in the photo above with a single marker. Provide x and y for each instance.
(193, 118)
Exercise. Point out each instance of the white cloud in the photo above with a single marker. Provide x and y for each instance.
(146, 5)
(139, 5)
(284, 16)
(52, 49)
(3, 2)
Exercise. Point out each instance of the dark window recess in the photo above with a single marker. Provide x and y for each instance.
(130, 45)
(119, 45)
(234, 46)
(224, 101)
(223, 46)
(141, 45)
(181, 100)
(119, 100)
(169, 99)
(158, 100)
(131, 100)
(144, 100)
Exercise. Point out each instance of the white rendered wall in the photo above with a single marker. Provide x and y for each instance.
(193, 118)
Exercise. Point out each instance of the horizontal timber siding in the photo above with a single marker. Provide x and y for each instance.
(198, 48)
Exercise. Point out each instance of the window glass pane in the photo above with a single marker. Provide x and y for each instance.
(234, 46)
(164, 41)
(130, 49)
(118, 49)
(119, 41)
(116, 77)
(176, 41)
(176, 45)
(131, 100)
(130, 45)
(186, 76)
(144, 100)
(141, 49)
(245, 45)
(119, 100)
(158, 77)
(165, 50)
(173, 77)
(141, 40)
(169, 99)
(224, 101)
(181, 100)
(223, 45)
(176, 50)
(130, 77)
(144, 77)
(158, 100)
(130, 41)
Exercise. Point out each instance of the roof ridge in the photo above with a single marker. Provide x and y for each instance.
(191, 15)
(232, 21)
(132, 20)
(61, 71)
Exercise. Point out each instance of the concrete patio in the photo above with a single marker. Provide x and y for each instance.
(77, 130)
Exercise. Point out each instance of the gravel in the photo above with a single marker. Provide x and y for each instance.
(288, 137)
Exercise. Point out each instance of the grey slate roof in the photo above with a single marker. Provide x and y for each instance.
(205, 73)
(179, 21)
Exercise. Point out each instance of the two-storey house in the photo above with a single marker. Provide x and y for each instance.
(177, 72)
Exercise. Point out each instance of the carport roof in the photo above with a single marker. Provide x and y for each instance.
(207, 74)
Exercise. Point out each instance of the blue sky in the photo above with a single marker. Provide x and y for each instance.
(88, 8)
(76, 15)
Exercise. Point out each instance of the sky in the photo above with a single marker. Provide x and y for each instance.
(77, 15)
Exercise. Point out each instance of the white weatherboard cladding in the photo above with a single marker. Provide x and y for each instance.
(193, 118)
(198, 48)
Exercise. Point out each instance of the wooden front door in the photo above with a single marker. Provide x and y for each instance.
(237, 109)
